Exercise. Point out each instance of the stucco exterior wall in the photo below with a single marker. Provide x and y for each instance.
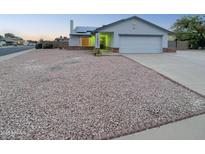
(111, 39)
(135, 27)
(77, 41)
(2, 43)
(74, 41)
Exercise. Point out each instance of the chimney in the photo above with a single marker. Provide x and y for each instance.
(71, 26)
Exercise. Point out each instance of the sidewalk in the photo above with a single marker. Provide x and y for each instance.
(187, 129)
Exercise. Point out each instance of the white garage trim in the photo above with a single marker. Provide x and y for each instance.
(140, 44)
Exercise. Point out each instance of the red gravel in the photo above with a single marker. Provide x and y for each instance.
(58, 94)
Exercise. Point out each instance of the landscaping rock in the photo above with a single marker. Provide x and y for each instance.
(43, 95)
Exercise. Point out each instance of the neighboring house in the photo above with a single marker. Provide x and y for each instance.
(62, 39)
(131, 35)
(10, 41)
(61, 42)
(19, 41)
(2, 43)
(30, 43)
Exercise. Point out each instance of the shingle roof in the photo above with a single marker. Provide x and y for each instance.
(81, 34)
(133, 17)
(83, 30)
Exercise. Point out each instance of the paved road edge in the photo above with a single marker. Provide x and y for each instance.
(9, 56)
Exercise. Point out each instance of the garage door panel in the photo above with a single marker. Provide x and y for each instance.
(140, 44)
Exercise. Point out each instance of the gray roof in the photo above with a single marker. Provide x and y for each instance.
(81, 34)
(133, 17)
(9, 40)
(83, 30)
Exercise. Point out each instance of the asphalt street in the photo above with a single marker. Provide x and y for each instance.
(9, 50)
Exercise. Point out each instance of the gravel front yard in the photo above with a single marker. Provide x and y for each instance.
(58, 94)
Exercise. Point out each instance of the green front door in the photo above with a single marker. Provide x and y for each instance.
(102, 42)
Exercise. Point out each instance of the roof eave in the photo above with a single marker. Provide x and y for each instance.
(133, 17)
(81, 34)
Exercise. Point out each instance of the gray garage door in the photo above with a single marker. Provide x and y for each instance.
(140, 44)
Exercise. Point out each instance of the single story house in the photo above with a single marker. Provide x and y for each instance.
(131, 35)
(2, 43)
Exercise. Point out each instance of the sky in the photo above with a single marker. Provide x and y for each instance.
(50, 26)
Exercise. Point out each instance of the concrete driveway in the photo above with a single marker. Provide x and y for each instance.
(185, 67)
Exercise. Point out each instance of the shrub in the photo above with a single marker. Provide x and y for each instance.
(97, 52)
(38, 46)
(47, 45)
